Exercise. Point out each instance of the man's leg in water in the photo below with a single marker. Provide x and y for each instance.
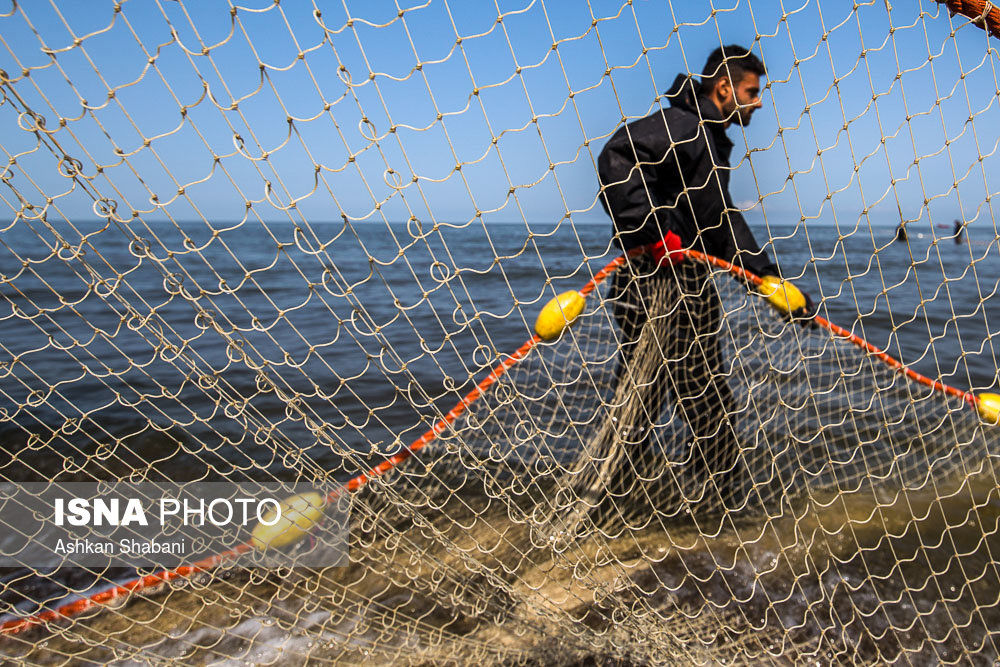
(690, 370)
(694, 373)
(680, 315)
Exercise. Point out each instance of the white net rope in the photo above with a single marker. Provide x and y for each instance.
(280, 241)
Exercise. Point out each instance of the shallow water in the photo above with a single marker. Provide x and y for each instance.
(842, 578)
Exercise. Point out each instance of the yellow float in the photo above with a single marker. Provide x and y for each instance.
(782, 294)
(296, 516)
(558, 314)
(988, 406)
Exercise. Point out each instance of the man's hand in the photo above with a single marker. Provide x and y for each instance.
(667, 250)
(806, 314)
(788, 299)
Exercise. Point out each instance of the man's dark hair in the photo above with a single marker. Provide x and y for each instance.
(731, 62)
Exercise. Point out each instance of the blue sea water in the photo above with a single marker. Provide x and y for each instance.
(187, 345)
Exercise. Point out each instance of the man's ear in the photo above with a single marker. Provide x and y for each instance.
(724, 88)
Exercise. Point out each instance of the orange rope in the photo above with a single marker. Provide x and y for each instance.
(149, 581)
(969, 397)
(983, 13)
(81, 605)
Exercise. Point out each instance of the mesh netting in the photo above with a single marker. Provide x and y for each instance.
(306, 244)
(811, 411)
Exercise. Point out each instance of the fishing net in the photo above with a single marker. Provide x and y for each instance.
(798, 425)
(308, 245)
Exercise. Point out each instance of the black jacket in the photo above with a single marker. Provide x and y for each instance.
(670, 172)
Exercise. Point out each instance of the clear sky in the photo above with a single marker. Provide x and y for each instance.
(366, 108)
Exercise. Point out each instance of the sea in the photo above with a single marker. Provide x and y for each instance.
(376, 327)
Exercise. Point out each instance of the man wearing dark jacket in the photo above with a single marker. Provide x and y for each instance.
(665, 185)
(669, 172)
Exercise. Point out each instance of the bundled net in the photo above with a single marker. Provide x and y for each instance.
(308, 244)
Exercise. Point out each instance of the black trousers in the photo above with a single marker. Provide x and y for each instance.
(683, 307)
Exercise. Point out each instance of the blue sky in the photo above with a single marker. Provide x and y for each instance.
(385, 100)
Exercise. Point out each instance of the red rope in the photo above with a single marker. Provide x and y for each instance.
(79, 606)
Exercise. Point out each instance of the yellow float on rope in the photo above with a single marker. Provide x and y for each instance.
(782, 294)
(558, 314)
(988, 406)
(292, 521)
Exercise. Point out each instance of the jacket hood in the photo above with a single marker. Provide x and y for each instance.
(685, 93)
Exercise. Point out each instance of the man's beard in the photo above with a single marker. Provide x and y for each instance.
(739, 114)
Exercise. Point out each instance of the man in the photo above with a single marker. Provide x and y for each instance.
(665, 185)
(669, 172)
